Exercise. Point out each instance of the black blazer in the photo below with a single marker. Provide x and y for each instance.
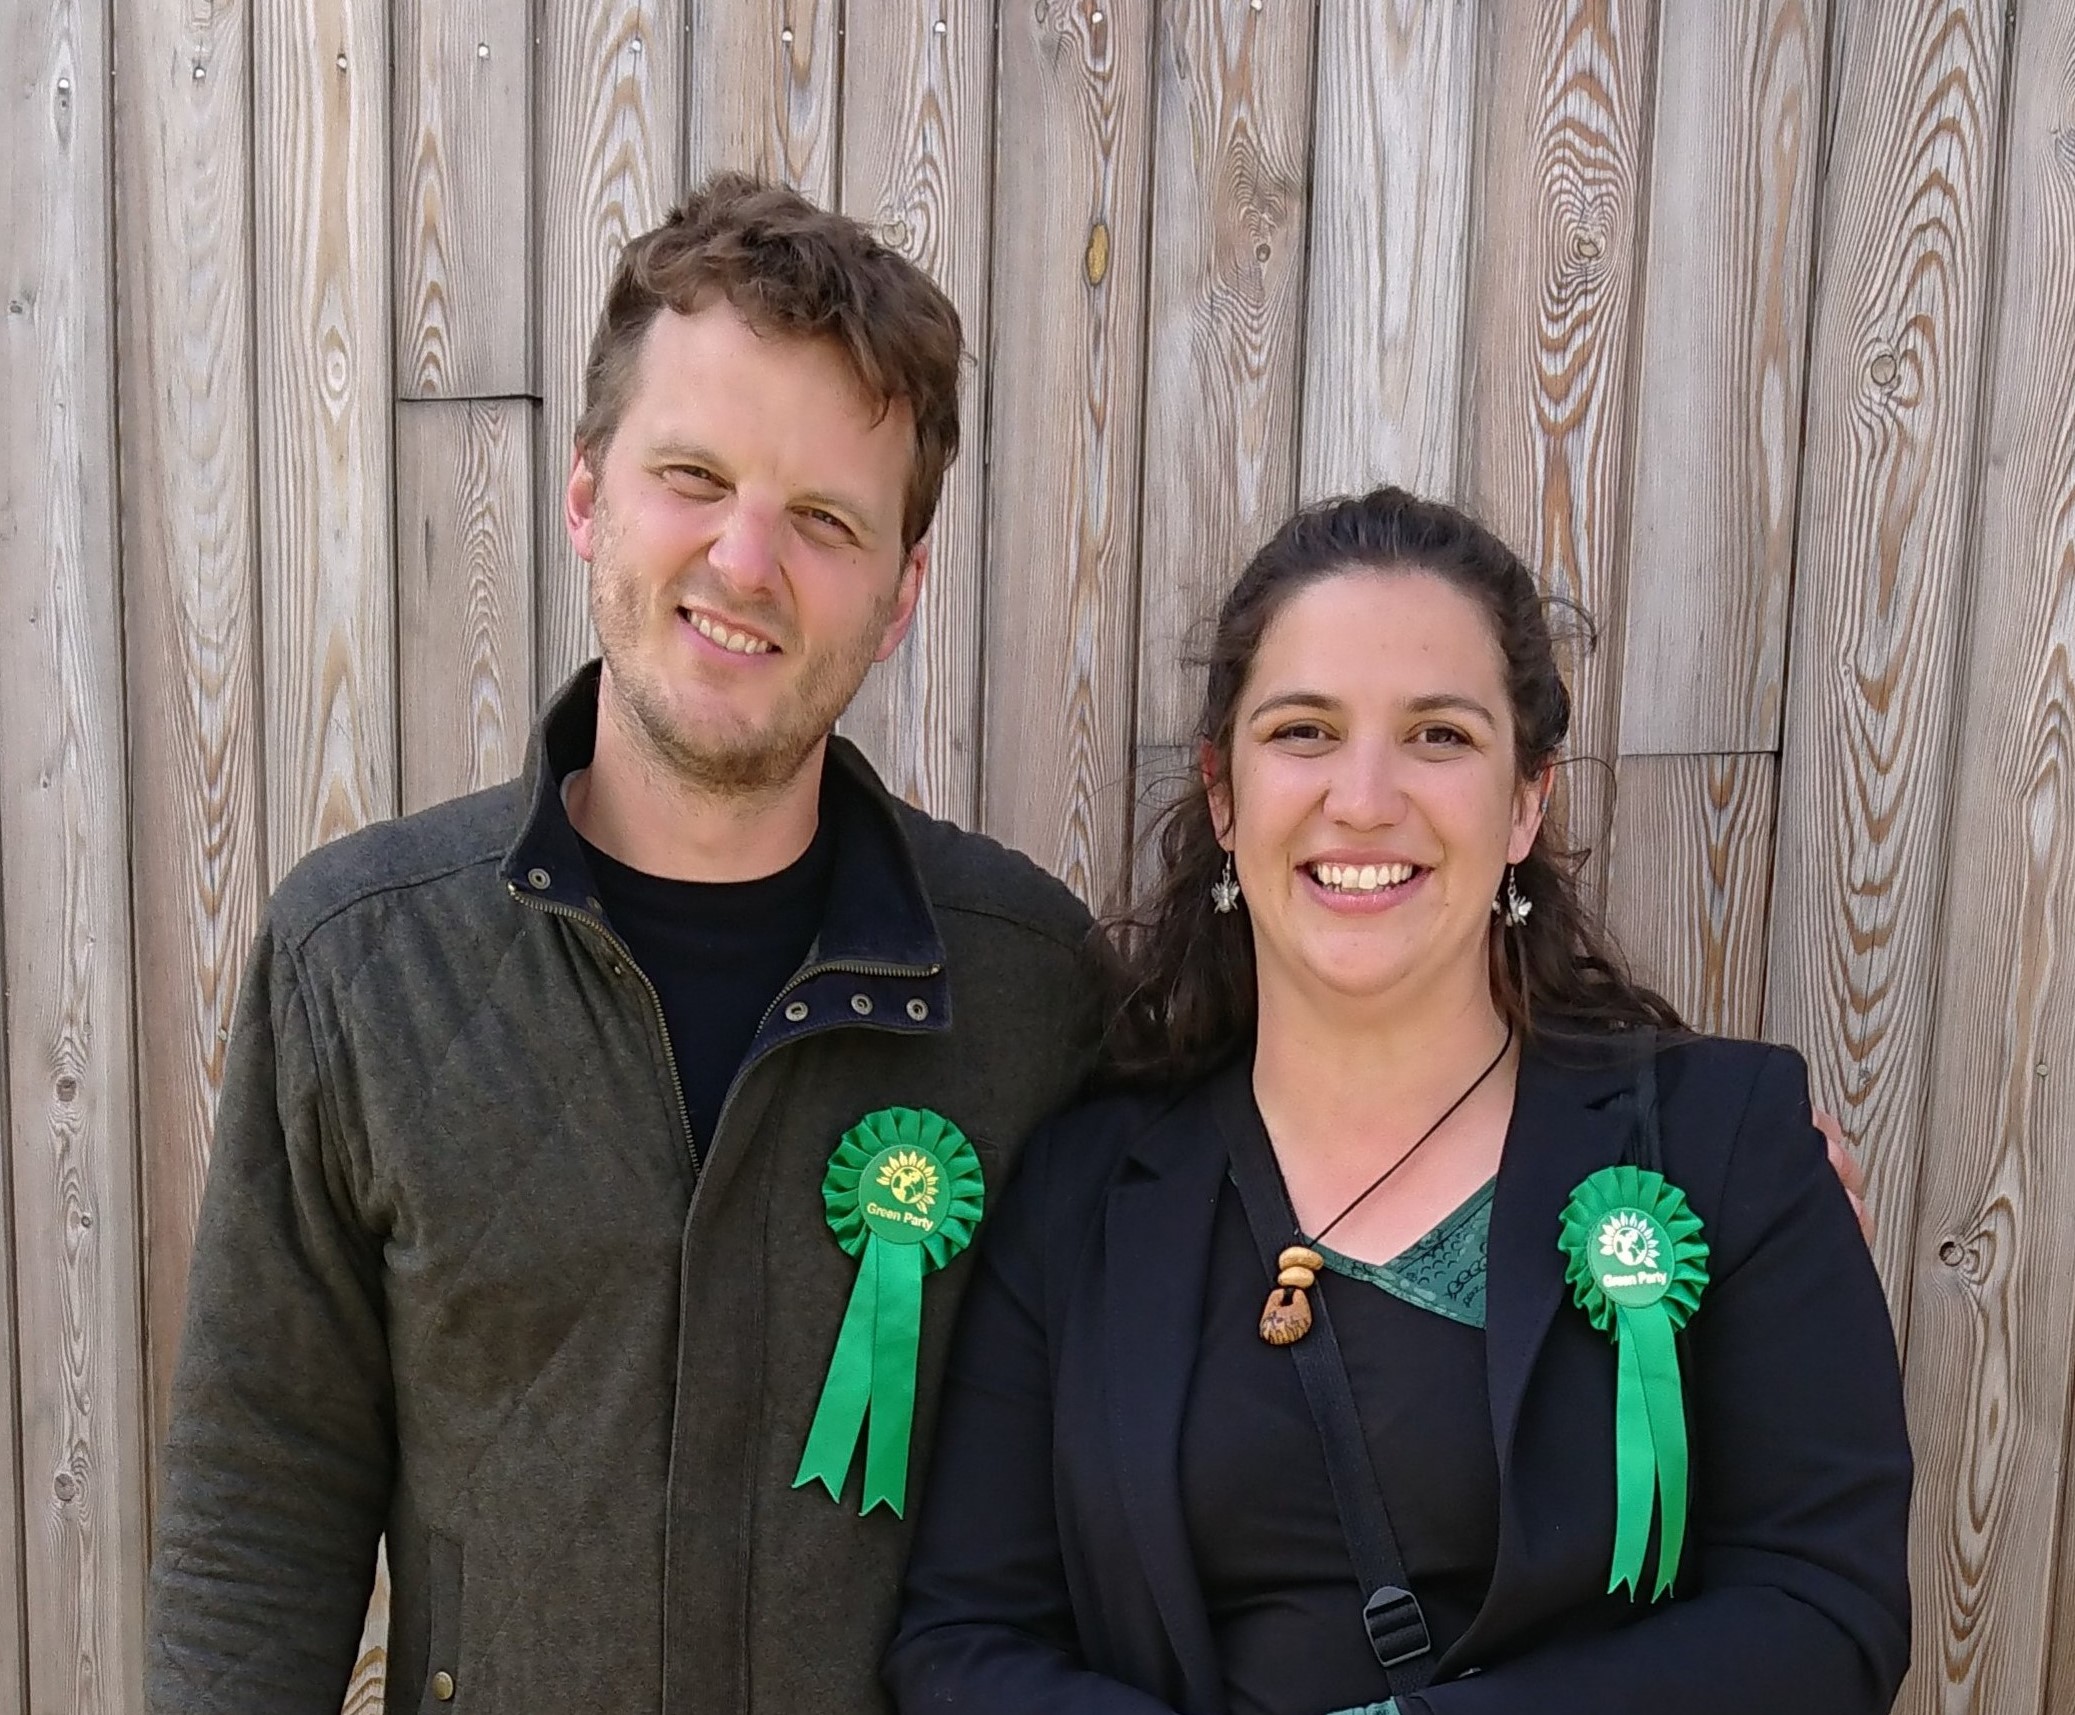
(1051, 1569)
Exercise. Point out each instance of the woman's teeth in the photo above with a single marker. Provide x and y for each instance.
(1362, 878)
(738, 642)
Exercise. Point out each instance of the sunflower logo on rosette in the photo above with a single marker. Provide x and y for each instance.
(910, 1178)
(1630, 1237)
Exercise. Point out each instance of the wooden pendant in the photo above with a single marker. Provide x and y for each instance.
(1286, 1318)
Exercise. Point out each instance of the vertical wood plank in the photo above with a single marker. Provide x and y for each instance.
(1390, 223)
(1564, 113)
(464, 553)
(464, 198)
(64, 898)
(1689, 882)
(14, 1613)
(198, 866)
(1232, 124)
(1993, 1294)
(1718, 416)
(609, 80)
(1888, 486)
(918, 167)
(321, 133)
(1068, 363)
(765, 82)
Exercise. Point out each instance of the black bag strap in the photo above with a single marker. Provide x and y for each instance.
(1649, 1141)
(1397, 1627)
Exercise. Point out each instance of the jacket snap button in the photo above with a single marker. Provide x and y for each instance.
(918, 1010)
(443, 1686)
(538, 879)
(861, 1004)
(796, 1011)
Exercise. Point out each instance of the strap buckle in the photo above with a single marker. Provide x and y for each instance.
(1397, 1627)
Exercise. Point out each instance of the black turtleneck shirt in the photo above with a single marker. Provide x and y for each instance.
(717, 953)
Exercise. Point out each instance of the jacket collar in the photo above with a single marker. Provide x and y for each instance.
(878, 916)
(1559, 1133)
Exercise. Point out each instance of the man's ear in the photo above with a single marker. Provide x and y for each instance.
(914, 570)
(580, 503)
(1217, 790)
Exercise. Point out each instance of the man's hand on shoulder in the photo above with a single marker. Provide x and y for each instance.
(1846, 1166)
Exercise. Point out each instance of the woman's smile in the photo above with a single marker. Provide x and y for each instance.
(1356, 885)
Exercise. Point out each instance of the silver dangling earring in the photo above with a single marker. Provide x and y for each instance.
(1513, 912)
(1224, 892)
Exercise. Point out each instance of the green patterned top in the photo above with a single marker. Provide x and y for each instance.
(1442, 1272)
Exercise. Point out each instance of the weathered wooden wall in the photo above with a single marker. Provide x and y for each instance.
(1752, 321)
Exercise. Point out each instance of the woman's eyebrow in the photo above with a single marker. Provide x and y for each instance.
(1295, 700)
(1435, 702)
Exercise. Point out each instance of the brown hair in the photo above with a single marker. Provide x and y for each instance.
(1183, 974)
(794, 270)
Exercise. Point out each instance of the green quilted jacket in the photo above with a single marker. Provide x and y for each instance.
(464, 1277)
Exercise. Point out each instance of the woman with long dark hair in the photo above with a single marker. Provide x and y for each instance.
(1434, 1324)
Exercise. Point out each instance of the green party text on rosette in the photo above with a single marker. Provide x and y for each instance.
(904, 1193)
(1637, 1266)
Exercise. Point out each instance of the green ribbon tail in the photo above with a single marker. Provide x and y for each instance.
(840, 1417)
(896, 1345)
(1657, 1355)
(1635, 1459)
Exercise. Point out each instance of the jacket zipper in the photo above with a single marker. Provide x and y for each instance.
(598, 927)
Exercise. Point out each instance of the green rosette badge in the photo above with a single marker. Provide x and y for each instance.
(1637, 1265)
(904, 1193)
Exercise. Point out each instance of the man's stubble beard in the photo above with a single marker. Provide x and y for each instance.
(748, 762)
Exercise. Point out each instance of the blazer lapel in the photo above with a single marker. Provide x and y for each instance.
(1157, 1235)
(1561, 1131)
(1569, 1119)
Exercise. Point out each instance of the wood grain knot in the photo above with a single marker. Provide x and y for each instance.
(1097, 261)
(68, 1088)
(1969, 1258)
(65, 1486)
(1263, 251)
(1885, 369)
